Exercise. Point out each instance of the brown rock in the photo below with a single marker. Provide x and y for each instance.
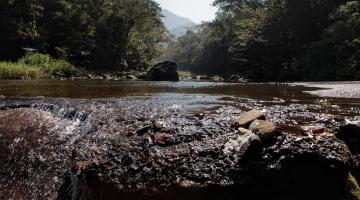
(264, 129)
(248, 117)
(161, 138)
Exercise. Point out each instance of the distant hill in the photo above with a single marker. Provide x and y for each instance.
(177, 25)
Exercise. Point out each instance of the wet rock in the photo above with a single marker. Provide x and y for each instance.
(217, 78)
(204, 77)
(310, 168)
(131, 77)
(183, 183)
(89, 76)
(237, 78)
(243, 147)
(143, 130)
(234, 78)
(173, 155)
(141, 76)
(158, 125)
(35, 151)
(76, 78)
(350, 134)
(164, 71)
(162, 138)
(314, 129)
(248, 117)
(264, 129)
(105, 76)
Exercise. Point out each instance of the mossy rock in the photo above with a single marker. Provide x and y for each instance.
(353, 188)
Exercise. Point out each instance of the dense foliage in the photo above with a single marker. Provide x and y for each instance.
(33, 66)
(276, 40)
(97, 34)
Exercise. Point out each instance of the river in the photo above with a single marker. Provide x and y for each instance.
(47, 126)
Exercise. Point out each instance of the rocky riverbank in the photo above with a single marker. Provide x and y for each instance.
(65, 149)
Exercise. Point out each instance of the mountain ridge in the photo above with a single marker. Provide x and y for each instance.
(176, 25)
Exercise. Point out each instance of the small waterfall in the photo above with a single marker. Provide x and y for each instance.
(67, 113)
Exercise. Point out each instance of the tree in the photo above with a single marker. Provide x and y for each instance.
(18, 26)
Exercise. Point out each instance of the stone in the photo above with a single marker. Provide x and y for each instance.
(89, 76)
(234, 78)
(237, 78)
(248, 117)
(141, 76)
(162, 138)
(243, 147)
(217, 78)
(318, 166)
(205, 77)
(314, 129)
(350, 134)
(131, 77)
(264, 129)
(164, 71)
(105, 76)
(201, 159)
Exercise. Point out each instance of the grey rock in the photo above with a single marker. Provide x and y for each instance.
(131, 77)
(164, 71)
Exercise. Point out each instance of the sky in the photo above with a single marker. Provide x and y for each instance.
(196, 10)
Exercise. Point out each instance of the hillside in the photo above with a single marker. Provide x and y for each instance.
(177, 25)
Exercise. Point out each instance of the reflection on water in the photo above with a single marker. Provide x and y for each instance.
(112, 89)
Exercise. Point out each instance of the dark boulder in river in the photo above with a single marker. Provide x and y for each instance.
(143, 152)
(164, 71)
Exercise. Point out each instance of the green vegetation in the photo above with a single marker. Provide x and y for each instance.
(98, 35)
(34, 66)
(10, 70)
(184, 74)
(276, 40)
(265, 40)
(353, 188)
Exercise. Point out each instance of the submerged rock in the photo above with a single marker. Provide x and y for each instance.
(164, 71)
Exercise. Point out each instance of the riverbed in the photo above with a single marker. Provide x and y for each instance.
(111, 129)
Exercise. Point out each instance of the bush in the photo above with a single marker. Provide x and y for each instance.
(184, 74)
(50, 66)
(18, 71)
(36, 65)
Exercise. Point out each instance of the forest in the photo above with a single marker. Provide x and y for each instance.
(276, 40)
(261, 40)
(92, 34)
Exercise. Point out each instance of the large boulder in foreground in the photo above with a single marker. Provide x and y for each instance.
(164, 71)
